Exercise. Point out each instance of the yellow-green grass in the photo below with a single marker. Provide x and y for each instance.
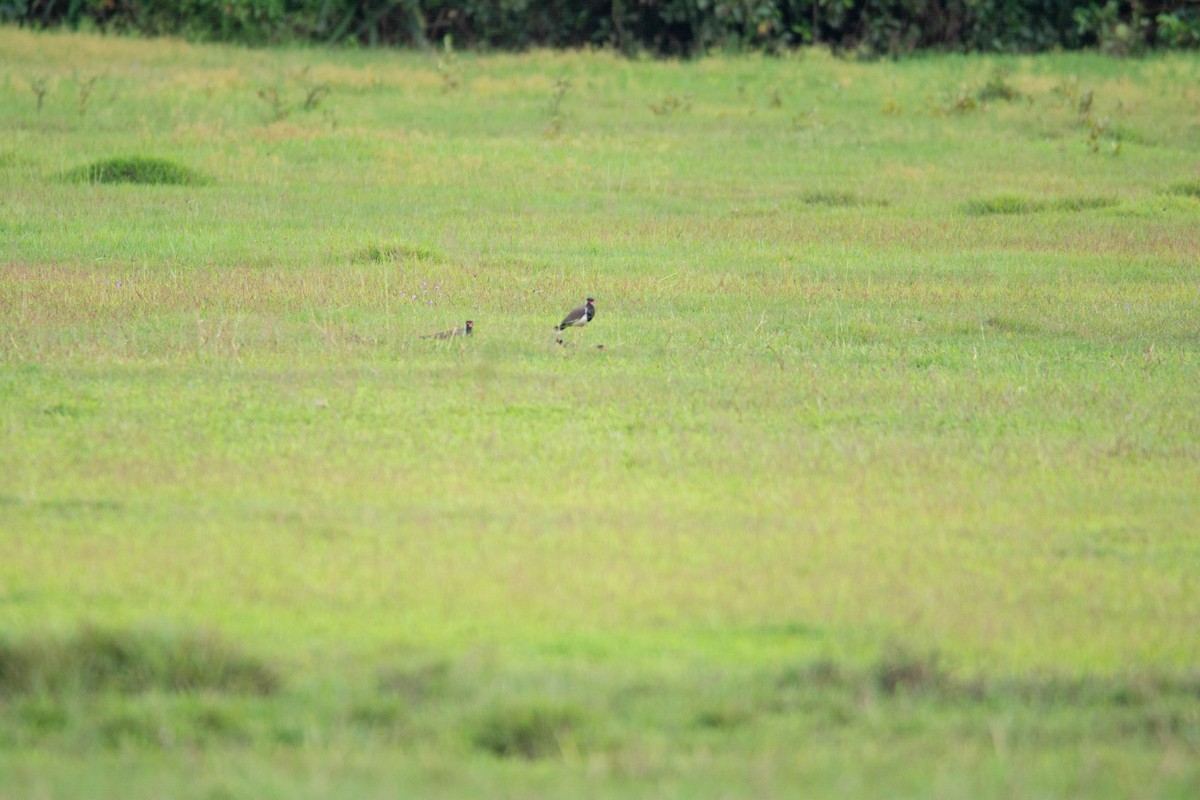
(892, 375)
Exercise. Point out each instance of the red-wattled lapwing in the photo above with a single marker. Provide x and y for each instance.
(450, 334)
(577, 318)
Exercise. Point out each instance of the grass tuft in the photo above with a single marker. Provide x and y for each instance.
(1002, 204)
(724, 716)
(531, 732)
(819, 674)
(902, 672)
(997, 87)
(1010, 325)
(379, 713)
(1186, 189)
(831, 199)
(97, 660)
(415, 683)
(394, 252)
(129, 728)
(1015, 204)
(1084, 203)
(136, 169)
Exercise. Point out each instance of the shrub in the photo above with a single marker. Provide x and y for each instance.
(1180, 28)
(665, 27)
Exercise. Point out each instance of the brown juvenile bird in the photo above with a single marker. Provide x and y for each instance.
(578, 317)
(450, 334)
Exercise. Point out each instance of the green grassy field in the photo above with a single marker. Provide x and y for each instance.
(885, 482)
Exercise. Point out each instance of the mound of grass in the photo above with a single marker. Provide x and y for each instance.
(900, 672)
(379, 713)
(417, 682)
(1010, 325)
(1186, 189)
(724, 716)
(530, 732)
(1015, 204)
(136, 169)
(997, 87)
(838, 200)
(381, 253)
(1081, 203)
(1002, 204)
(130, 662)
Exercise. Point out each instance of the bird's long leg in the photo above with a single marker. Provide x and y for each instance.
(562, 336)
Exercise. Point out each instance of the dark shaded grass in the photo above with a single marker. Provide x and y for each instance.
(416, 683)
(1080, 203)
(119, 689)
(532, 730)
(118, 721)
(394, 252)
(821, 693)
(1002, 204)
(1185, 189)
(136, 169)
(1014, 204)
(1011, 325)
(66, 506)
(900, 672)
(997, 87)
(839, 200)
(96, 660)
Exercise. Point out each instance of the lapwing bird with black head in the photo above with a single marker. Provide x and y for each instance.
(577, 317)
(450, 334)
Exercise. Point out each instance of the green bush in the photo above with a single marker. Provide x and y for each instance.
(665, 27)
(1179, 28)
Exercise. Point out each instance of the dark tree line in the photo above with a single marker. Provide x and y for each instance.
(660, 27)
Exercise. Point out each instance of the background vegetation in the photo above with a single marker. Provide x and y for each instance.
(884, 483)
(674, 27)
